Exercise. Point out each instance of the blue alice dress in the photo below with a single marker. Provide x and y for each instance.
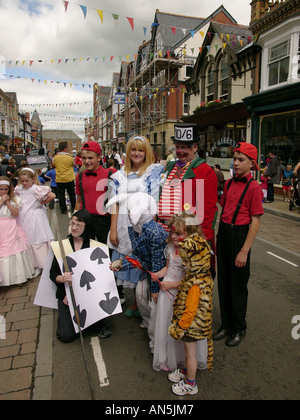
(149, 183)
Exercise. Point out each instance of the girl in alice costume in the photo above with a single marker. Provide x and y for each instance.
(16, 265)
(33, 216)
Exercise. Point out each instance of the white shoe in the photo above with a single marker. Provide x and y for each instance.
(176, 376)
(182, 388)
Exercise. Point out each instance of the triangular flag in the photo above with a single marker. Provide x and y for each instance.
(66, 3)
(116, 18)
(83, 8)
(192, 33)
(100, 13)
(201, 33)
(111, 58)
(145, 30)
(130, 20)
(173, 29)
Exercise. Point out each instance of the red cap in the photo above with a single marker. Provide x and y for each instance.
(92, 146)
(249, 150)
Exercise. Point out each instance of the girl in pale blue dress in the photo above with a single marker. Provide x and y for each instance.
(139, 174)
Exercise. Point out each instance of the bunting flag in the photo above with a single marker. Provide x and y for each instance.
(130, 20)
(100, 13)
(83, 8)
(66, 5)
(115, 18)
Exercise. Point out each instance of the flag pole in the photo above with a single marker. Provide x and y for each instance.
(66, 266)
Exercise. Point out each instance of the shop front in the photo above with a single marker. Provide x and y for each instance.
(276, 123)
(220, 127)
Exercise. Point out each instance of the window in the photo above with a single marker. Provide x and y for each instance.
(279, 60)
(224, 73)
(210, 84)
(185, 104)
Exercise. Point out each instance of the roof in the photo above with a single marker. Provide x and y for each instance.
(60, 135)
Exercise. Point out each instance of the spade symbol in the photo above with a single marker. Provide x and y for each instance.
(71, 263)
(98, 254)
(109, 305)
(85, 280)
(82, 316)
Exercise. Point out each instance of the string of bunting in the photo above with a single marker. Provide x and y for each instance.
(242, 40)
(131, 20)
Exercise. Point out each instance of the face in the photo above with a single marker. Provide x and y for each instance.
(77, 227)
(26, 181)
(177, 235)
(137, 156)
(90, 160)
(242, 164)
(4, 189)
(185, 153)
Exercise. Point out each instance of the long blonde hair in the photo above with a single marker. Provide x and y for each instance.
(140, 143)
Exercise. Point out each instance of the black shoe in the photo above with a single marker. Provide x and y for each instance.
(104, 332)
(64, 212)
(235, 339)
(220, 334)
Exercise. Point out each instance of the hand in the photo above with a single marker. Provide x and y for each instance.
(65, 301)
(241, 259)
(166, 285)
(4, 198)
(65, 278)
(114, 237)
(154, 297)
(115, 265)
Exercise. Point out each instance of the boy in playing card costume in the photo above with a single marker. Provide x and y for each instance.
(79, 238)
(148, 240)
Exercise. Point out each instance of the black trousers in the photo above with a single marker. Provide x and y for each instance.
(232, 281)
(61, 188)
(100, 227)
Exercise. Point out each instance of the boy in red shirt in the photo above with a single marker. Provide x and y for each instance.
(239, 223)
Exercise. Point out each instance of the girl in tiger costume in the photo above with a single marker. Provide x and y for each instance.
(192, 308)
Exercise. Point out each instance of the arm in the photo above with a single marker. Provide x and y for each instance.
(241, 258)
(78, 203)
(50, 197)
(113, 225)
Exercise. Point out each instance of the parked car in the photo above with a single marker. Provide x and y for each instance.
(39, 162)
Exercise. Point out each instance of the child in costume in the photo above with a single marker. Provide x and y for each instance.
(148, 242)
(16, 265)
(169, 353)
(33, 216)
(192, 308)
(287, 183)
(239, 224)
(79, 238)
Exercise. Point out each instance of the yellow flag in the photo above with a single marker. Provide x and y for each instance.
(100, 13)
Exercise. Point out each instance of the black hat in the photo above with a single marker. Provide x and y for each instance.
(185, 133)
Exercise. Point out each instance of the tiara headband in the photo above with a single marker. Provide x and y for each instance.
(3, 182)
(27, 169)
(138, 138)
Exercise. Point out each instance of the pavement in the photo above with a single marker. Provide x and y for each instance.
(26, 344)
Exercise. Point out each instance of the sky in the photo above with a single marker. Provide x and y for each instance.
(52, 51)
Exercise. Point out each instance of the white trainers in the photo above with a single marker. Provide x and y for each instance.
(176, 376)
(182, 388)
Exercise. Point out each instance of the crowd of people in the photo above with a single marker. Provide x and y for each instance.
(163, 217)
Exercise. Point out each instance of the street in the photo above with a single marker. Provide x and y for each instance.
(264, 366)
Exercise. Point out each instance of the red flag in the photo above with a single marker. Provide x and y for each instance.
(130, 20)
(135, 263)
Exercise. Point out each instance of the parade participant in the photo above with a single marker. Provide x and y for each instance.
(148, 242)
(91, 186)
(192, 308)
(239, 224)
(169, 353)
(33, 216)
(65, 176)
(139, 174)
(189, 184)
(79, 238)
(16, 265)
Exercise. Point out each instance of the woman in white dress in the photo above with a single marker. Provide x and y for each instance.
(16, 265)
(33, 216)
